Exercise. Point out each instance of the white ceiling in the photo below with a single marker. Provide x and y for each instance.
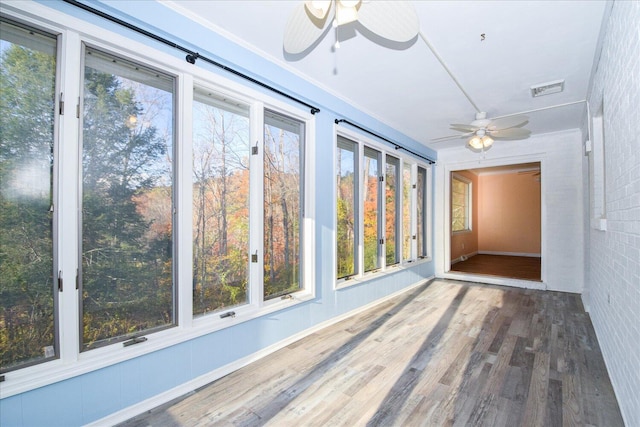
(405, 86)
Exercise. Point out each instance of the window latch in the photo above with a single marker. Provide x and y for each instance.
(254, 257)
(228, 314)
(254, 149)
(60, 281)
(134, 340)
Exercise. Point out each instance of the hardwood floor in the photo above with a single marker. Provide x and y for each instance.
(445, 353)
(515, 267)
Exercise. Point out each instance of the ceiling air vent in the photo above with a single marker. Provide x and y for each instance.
(547, 88)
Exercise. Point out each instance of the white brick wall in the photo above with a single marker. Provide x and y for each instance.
(613, 285)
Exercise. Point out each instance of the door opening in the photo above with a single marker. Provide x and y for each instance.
(496, 222)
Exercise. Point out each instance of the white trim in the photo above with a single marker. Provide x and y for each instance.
(345, 283)
(443, 220)
(524, 254)
(495, 280)
(189, 386)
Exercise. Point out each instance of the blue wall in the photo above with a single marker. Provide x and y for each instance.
(94, 395)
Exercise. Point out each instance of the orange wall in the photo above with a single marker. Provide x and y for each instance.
(467, 243)
(509, 213)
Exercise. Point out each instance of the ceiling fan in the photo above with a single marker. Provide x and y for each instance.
(392, 20)
(483, 131)
(533, 172)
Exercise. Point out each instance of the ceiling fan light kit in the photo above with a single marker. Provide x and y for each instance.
(481, 143)
(346, 12)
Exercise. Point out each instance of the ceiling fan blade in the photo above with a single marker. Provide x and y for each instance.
(511, 133)
(319, 9)
(446, 138)
(508, 122)
(302, 29)
(463, 128)
(393, 20)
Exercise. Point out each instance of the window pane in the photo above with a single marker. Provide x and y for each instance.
(346, 208)
(221, 151)
(27, 298)
(406, 211)
(421, 211)
(459, 205)
(283, 157)
(392, 203)
(370, 187)
(127, 248)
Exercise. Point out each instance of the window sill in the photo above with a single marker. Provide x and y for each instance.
(367, 277)
(453, 233)
(26, 379)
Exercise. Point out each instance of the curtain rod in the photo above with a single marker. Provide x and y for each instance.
(191, 55)
(395, 144)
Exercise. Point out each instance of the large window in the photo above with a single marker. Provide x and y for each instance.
(221, 154)
(381, 211)
(127, 210)
(460, 204)
(422, 206)
(392, 210)
(283, 201)
(346, 207)
(371, 189)
(406, 211)
(27, 289)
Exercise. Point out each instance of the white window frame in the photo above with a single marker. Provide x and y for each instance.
(360, 276)
(72, 32)
(597, 171)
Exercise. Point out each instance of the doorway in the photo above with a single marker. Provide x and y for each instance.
(495, 217)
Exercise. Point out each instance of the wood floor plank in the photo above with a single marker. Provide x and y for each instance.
(445, 354)
(535, 410)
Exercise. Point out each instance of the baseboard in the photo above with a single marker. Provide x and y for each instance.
(532, 255)
(185, 388)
